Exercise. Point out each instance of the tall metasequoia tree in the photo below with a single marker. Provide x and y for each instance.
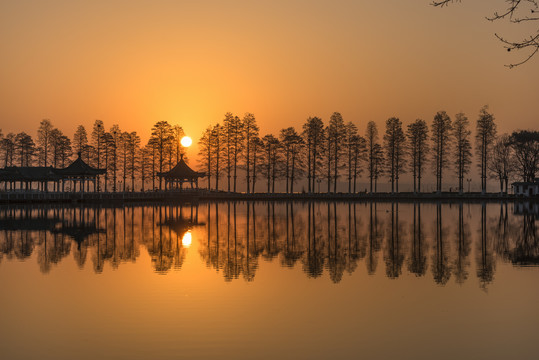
(98, 134)
(463, 148)
(217, 144)
(371, 138)
(292, 145)
(250, 132)
(133, 156)
(206, 152)
(313, 136)
(257, 149)
(115, 145)
(162, 137)
(501, 161)
(177, 135)
(441, 145)
(80, 142)
(44, 134)
(25, 148)
(485, 135)
(271, 147)
(336, 135)
(394, 141)
(525, 145)
(418, 149)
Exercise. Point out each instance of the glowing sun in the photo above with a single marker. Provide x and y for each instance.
(186, 141)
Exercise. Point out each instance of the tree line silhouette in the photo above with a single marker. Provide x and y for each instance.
(337, 152)
(234, 149)
(319, 237)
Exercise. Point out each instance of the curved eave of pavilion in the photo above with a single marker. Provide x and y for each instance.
(181, 171)
(79, 168)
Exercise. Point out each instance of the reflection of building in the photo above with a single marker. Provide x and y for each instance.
(175, 177)
(524, 188)
(526, 208)
(78, 172)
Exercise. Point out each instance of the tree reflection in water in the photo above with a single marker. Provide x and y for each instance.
(324, 237)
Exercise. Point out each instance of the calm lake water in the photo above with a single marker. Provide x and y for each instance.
(245, 280)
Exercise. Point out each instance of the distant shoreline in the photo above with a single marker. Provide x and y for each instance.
(202, 195)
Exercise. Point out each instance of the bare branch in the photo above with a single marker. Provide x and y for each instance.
(443, 2)
(512, 16)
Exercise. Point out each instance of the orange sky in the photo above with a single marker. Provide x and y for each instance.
(137, 62)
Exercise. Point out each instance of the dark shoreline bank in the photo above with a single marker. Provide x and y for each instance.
(203, 195)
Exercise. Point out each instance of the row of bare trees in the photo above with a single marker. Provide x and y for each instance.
(337, 151)
(234, 149)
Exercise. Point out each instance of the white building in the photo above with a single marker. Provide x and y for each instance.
(526, 188)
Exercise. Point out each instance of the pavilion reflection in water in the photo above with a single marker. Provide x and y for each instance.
(440, 240)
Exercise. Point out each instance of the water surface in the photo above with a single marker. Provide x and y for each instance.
(243, 280)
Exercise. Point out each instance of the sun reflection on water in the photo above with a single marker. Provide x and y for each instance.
(186, 240)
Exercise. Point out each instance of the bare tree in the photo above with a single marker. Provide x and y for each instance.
(250, 131)
(228, 145)
(7, 145)
(394, 146)
(463, 147)
(371, 137)
(115, 145)
(525, 144)
(108, 143)
(98, 133)
(123, 146)
(517, 11)
(25, 148)
(53, 146)
(329, 157)
(256, 155)
(484, 138)
(162, 137)
(144, 165)
(205, 152)
(500, 161)
(177, 135)
(216, 136)
(378, 164)
(292, 144)
(441, 145)
(336, 134)
(44, 140)
(350, 139)
(60, 147)
(132, 141)
(356, 149)
(80, 142)
(313, 136)
(418, 150)
(271, 146)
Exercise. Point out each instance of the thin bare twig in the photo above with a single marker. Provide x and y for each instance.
(511, 14)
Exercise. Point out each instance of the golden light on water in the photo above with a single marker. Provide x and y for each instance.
(186, 141)
(186, 240)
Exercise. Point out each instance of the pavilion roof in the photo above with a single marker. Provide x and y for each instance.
(181, 171)
(79, 168)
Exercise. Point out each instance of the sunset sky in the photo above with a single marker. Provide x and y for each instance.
(134, 63)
